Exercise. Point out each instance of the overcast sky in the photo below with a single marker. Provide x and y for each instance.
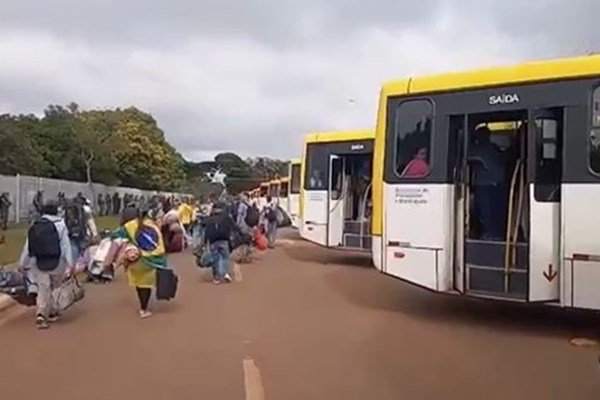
(254, 76)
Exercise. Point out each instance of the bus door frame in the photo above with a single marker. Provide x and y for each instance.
(335, 206)
(544, 217)
(461, 176)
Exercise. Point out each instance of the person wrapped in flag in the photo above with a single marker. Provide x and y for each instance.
(142, 255)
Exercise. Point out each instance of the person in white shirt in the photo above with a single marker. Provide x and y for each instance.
(50, 258)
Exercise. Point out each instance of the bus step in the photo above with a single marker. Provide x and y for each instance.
(491, 254)
(354, 227)
(491, 281)
(497, 296)
(353, 241)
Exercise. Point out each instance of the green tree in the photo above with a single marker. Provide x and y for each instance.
(20, 152)
(145, 159)
(268, 168)
(233, 165)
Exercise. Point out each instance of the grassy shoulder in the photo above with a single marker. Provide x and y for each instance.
(15, 239)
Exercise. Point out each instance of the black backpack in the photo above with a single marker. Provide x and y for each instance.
(216, 228)
(75, 219)
(271, 214)
(233, 210)
(252, 216)
(44, 244)
(238, 239)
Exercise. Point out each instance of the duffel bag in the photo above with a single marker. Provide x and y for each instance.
(68, 293)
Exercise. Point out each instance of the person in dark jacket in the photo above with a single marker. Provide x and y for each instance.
(218, 229)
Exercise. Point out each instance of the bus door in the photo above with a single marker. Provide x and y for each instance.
(336, 199)
(459, 167)
(294, 194)
(545, 161)
(496, 211)
(315, 215)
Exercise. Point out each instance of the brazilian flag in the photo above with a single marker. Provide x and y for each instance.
(146, 236)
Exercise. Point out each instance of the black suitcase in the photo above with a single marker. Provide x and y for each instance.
(166, 284)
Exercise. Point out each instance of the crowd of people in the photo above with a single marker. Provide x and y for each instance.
(63, 243)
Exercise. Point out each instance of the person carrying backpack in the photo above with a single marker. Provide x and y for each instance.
(247, 219)
(218, 229)
(79, 224)
(47, 252)
(270, 216)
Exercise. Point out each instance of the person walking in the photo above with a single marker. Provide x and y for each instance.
(270, 216)
(186, 213)
(107, 204)
(246, 219)
(142, 256)
(47, 253)
(5, 204)
(101, 205)
(218, 229)
(38, 203)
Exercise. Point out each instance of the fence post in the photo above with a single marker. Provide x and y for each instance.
(18, 199)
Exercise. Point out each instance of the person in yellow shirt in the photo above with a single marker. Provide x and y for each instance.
(186, 214)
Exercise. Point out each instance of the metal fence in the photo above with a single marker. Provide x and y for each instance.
(22, 190)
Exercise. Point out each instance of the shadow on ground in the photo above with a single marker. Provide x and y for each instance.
(366, 287)
(374, 290)
(308, 252)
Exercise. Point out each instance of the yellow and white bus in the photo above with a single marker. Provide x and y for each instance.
(335, 201)
(295, 178)
(464, 205)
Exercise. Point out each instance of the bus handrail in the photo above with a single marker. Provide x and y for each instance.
(364, 209)
(512, 233)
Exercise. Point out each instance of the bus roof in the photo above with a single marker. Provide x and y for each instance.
(530, 72)
(340, 136)
(284, 180)
(274, 182)
(296, 161)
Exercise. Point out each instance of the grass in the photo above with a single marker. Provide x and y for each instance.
(10, 251)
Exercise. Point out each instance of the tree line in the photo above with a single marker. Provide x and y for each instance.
(120, 147)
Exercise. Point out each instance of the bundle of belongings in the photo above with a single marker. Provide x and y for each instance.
(92, 262)
(98, 260)
(282, 217)
(19, 285)
(173, 232)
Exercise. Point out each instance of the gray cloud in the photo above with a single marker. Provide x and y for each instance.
(254, 77)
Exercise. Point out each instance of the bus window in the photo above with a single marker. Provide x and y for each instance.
(337, 178)
(295, 179)
(283, 190)
(316, 167)
(594, 150)
(414, 120)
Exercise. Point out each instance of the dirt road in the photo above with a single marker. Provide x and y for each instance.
(301, 323)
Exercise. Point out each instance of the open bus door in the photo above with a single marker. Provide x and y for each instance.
(460, 172)
(336, 198)
(508, 246)
(545, 160)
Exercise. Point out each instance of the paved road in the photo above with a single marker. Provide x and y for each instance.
(303, 323)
